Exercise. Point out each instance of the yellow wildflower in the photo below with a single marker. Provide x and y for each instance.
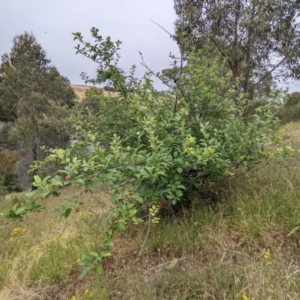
(81, 216)
(78, 260)
(17, 230)
(36, 250)
(62, 237)
(244, 297)
(87, 292)
(73, 298)
(267, 254)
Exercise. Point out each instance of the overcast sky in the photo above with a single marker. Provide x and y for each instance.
(53, 22)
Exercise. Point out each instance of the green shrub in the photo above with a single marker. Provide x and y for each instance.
(149, 148)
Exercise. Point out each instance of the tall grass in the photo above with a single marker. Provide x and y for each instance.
(244, 246)
(38, 256)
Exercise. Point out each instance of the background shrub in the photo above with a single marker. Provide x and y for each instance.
(290, 110)
(12, 183)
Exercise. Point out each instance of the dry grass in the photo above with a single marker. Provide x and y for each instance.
(39, 262)
(80, 91)
(246, 246)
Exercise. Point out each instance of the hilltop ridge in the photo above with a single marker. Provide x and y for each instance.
(80, 90)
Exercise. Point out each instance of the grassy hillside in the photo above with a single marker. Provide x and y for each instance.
(80, 90)
(244, 246)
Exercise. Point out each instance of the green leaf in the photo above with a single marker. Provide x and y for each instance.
(180, 186)
(38, 180)
(67, 212)
(179, 170)
(179, 193)
(94, 254)
(4, 212)
(31, 194)
(98, 269)
(84, 272)
(20, 210)
(105, 254)
(58, 208)
(121, 226)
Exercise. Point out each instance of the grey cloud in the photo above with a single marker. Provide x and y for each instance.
(52, 23)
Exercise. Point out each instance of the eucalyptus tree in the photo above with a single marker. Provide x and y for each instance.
(259, 40)
(30, 87)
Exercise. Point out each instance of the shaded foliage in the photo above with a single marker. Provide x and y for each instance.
(7, 160)
(290, 109)
(11, 182)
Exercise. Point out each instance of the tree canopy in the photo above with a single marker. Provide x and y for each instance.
(30, 86)
(259, 40)
(26, 77)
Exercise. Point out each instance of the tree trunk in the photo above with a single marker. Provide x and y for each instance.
(37, 153)
(36, 150)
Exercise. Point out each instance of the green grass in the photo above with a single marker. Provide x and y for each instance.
(211, 251)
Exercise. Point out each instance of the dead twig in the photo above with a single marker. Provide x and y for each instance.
(293, 231)
(146, 237)
(169, 264)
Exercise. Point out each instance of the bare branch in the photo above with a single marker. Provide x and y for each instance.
(155, 74)
(170, 34)
(179, 81)
(268, 73)
(146, 237)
